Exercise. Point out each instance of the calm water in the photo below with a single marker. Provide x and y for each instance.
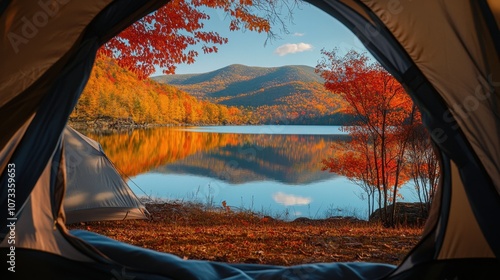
(271, 169)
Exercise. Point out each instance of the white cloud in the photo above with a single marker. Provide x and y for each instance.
(298, 34)
(290, 199)
(292, 48)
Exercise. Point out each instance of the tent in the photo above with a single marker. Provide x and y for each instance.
(95, 190)
(446, 53)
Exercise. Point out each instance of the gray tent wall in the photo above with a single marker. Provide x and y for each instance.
(444, 52)
(95, 190)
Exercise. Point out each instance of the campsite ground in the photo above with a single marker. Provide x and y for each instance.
(193, 232)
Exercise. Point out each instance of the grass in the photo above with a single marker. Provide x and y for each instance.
(198, 231)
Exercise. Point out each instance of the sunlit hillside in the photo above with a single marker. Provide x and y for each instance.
(113, 92)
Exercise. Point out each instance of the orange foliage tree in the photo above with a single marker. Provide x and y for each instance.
(113, 93)
(162, 38)
(384, 114)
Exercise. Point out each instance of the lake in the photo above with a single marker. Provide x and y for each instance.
(271, 169)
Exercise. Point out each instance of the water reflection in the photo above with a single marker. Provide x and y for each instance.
(277, 172)
(290, 199)
(232, 157)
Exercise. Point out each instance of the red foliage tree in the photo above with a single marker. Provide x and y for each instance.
(385, 113)
(162, 38)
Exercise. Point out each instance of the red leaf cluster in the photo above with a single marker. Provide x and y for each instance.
(163, 38)
(376, 157)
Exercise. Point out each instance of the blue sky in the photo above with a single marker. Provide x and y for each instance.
(310, 31)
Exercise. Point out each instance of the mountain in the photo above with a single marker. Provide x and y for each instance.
(287, 94)
(236, 94)
(248, 85)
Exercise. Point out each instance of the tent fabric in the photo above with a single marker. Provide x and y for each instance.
(37, 96)
(462, 226)
(35, 228)
(446, 53)
(95, 190)
(423, 62)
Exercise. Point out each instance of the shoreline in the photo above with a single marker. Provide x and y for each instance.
(105, 125)
(113, 125)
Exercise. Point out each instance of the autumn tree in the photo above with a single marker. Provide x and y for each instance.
(163, 38)
(380, 134)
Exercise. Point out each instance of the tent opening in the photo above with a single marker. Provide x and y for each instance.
(381, 156)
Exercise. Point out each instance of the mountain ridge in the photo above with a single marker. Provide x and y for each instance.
(235, 79)
(284, 94)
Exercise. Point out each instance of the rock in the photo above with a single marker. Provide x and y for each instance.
(408, 214)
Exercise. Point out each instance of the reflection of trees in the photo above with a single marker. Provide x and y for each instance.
(359, 160)
(139, 151)
(285, 158)
(236, 158)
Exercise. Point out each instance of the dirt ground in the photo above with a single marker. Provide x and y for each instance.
(193, 232)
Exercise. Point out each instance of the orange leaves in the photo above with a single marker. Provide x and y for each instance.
(113, 92)
(209, 49)
(243, 18)
(246, 2)
(162, 39)
(369, 90)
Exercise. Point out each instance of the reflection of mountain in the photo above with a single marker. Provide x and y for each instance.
(289, 159)
(236, 158)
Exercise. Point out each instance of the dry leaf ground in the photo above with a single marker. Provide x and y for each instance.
(193, 232)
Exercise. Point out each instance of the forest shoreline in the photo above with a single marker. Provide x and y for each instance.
(112, 125)
(106, 125)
